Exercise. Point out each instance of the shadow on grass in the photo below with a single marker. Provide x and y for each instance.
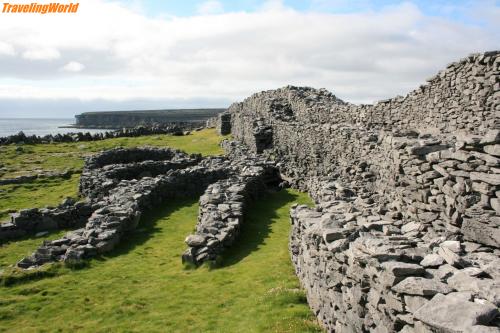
(256, 227)
(145, 230)
(147, 226)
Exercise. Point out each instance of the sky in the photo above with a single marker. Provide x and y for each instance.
(140, 54)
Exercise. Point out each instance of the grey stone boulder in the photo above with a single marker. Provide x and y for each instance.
(449, 255)
(491, 136)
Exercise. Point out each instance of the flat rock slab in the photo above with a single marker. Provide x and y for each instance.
(481, 233)
(421, 287)
(402, 269)
(432, 260)
(454, 313)
(489, 178)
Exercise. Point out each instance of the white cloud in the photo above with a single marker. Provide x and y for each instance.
(210, 7)
(73, 66)
(273, 5)
(44, 53)
(7, 49)
(361, 57)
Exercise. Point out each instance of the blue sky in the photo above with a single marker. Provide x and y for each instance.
(457, 10)
(138, 54)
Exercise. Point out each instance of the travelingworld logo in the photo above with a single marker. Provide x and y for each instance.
(38, 8)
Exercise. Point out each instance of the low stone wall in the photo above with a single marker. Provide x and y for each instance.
(224, 203)
(30, 221)
(105, 170)
(42, 175)
(174, 129)
(221, 215)
(119, 212)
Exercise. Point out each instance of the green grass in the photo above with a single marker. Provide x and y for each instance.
(40, 193)
(143, 287)
(63, 156)
(11, 252)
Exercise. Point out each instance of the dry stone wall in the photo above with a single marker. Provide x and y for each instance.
(104, 171)
(405, 235)
(367, 257)
(117, 204)
(68, 214)
(173, 128)
(224, 203)
(121, 184)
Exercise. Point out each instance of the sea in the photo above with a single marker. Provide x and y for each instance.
(39, 126)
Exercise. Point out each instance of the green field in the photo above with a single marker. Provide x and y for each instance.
(142, 286)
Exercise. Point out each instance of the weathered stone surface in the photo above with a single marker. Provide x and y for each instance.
(492, 150)
(454, 313)
(489, 178)
(421, 286)
(195, 240)
(432, 260)
(492, 136)
(476, 231)
(402, 269)
(485, 288)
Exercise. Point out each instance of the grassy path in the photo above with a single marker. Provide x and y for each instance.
(143, 287)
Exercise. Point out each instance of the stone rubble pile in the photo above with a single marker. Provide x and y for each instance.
(221, 215)
(405, 235)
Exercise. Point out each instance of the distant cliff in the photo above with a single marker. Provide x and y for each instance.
(119, 119)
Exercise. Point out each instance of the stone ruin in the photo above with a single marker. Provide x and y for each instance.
(405, 233)
(121, 184)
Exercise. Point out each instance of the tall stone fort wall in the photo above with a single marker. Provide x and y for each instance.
(405, 235)
(309, 125)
